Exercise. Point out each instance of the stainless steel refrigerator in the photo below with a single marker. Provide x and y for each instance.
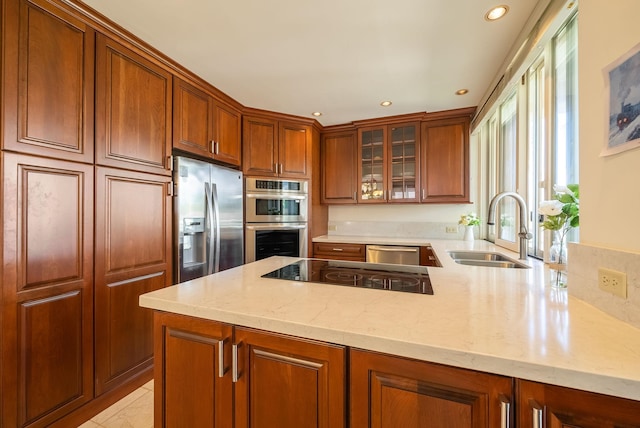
(208, 213)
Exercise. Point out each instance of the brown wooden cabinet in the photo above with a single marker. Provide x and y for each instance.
(47, 289)
(133, 109)
(133, 256)
(541, 405)
(388, 167)
(193, 384)
(445, 160)
(339, 251)
(338, 157)
(203, 125)
(48, 81)
(428, 257)
(280, 381)
(288, 382)
(273, 148)
(389, 391)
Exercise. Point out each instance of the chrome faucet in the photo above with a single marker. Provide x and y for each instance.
(524, 234)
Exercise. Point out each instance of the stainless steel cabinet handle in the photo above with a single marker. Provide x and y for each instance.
(538, 413)
(337, 249)
(395, 249)
(424, 194)
(234, 363)
(505, 410)
(355, 196)
(213, 146)
(281, 169)
(221, 358)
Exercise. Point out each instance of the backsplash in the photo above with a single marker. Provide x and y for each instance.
(398, 229)
(584, 261)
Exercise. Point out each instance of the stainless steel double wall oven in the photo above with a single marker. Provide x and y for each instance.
(276, 214)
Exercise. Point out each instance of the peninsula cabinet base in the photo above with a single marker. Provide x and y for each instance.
(212, 374)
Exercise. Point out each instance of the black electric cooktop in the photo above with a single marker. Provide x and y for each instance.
(410, 279)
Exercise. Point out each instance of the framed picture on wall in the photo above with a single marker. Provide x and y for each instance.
(622, 79)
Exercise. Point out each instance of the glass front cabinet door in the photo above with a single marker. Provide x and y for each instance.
(388, 166)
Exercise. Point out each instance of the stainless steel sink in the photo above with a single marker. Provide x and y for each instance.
(486, 258)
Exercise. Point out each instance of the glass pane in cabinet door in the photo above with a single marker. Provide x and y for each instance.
(372, 184)
(403, 162)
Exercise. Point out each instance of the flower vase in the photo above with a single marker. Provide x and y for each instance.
(558, 261)
(468, 233)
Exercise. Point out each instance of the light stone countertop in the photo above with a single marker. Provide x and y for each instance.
(503, 321)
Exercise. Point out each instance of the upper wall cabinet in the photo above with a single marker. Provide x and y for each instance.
(445, 160)
(273, 148)
(338, 154)
(388, 164)
(423, 158)
(203, 125)
(133, 110)
(48, 82)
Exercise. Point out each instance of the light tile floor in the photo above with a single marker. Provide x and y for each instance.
(133, 411)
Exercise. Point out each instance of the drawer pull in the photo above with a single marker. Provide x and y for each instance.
(337, 249)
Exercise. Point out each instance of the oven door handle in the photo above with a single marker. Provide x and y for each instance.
(276, 197)
(276, 226)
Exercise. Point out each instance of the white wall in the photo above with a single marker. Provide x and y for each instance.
(609, 186)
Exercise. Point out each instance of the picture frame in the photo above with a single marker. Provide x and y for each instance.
(622, 79)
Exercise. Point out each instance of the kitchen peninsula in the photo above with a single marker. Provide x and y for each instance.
(505, 324)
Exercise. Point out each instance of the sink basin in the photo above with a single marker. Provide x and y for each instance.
(486, 258)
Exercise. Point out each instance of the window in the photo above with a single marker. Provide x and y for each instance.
(535, 144)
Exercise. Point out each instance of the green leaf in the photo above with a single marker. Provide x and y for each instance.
(575, 221)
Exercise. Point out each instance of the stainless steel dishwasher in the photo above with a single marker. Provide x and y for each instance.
(393, 254)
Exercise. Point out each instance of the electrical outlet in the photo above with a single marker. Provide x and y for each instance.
(451, 229)
(332, 227)
(613, 282)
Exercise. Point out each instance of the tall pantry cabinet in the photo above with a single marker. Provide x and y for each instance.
(85, 221)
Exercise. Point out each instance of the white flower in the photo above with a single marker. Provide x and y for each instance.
(559, 188)
(552, 207)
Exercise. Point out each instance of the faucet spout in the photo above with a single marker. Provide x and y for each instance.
(524, 234)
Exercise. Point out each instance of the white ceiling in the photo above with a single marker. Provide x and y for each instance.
(340, 57)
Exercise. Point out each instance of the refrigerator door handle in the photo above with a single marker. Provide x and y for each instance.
(209, 220)
(216, 223)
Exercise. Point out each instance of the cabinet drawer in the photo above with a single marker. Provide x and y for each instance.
(355, 252)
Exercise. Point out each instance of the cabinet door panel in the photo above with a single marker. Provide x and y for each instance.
(260, 152)
(48, 82)
(372, 164)
(133, 256)
(47, 288)
(338, 157)
(294, 150)
(226, 123)
(188, 389)
(133, 110)
(565, 407)
(445, 161)
(288, 382)
(388, 391)
(191, 119)
(51, 356)
(124, 331)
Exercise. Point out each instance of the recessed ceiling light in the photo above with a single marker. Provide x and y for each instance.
(386, 103)
(317, 113)
(496, 13)
(462, 91)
